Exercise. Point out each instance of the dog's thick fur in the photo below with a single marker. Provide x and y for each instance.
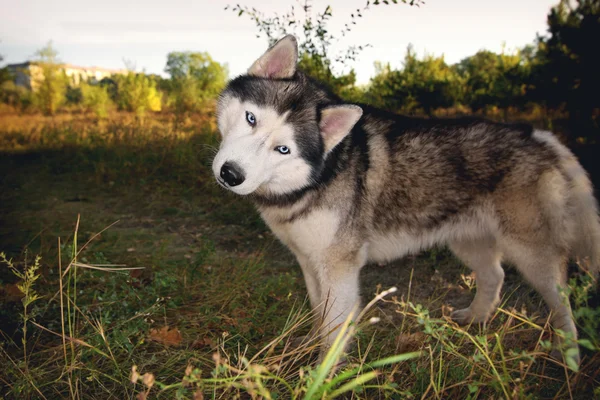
(361, 185)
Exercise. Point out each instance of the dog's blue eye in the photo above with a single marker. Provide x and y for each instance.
(283, 149)
(250, 118)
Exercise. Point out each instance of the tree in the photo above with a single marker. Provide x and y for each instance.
(196, 79)
(424, 84)
(495, 79)
(315, 40)
(430, 81)
(569, 63)
(50, 85)
(384, 88)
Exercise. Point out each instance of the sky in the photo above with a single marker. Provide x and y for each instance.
(111, 33)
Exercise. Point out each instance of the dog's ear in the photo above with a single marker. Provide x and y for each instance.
(337, 122)
(279, 61)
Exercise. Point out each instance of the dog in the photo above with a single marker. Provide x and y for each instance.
(343, 185)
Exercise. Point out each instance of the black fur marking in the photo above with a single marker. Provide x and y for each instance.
(282, 200)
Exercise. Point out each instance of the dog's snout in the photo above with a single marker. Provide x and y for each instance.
(232, 174)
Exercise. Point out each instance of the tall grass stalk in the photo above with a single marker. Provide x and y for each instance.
(27, 277)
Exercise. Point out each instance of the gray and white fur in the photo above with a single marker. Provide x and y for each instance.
(343, 185)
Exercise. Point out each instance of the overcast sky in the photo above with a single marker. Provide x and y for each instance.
(107, 32)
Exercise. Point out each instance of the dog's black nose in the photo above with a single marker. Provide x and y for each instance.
(232, 174)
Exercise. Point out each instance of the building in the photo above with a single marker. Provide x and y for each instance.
(29, 74)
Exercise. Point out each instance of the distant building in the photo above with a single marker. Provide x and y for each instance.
(29, 74)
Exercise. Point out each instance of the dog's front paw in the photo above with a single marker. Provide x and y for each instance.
(466, 316)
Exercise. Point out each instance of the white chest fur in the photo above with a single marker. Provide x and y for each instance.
(309, 235)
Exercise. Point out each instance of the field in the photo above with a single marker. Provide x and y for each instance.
(154, 282)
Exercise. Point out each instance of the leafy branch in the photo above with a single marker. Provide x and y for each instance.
(315, 39)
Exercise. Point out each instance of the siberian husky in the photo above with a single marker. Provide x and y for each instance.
(343, 185)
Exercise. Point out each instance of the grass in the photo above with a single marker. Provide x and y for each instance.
(155, 283)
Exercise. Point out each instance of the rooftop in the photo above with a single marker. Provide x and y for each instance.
(70, 66)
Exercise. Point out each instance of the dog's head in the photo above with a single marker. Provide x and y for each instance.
(277, 126)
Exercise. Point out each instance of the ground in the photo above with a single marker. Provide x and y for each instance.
(216, 285)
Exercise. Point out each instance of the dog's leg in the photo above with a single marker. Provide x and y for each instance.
(314, 295)
(483, 257)
(546, 272)
(339, 297)
(339, 279)
(311, 280)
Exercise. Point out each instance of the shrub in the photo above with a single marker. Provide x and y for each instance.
(96, 99)
(137, 93)
(14, 95)
(73, 95)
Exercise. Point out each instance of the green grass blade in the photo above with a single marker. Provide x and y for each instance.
(395, 359)
(347, 387)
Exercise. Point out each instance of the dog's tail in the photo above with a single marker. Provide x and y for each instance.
(586, 246)
(585, 235)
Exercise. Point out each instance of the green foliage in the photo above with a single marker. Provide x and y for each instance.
(196, 80)
(51, 84)
(73, 95)
(136, 93)
(95, 98)
(587, 315)
(427, 84)
(483, 80)
(493, 79)
(16, 96)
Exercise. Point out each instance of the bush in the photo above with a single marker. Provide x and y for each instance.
(14, 95)
(73, 95)
(96, 99)
(137, 93)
